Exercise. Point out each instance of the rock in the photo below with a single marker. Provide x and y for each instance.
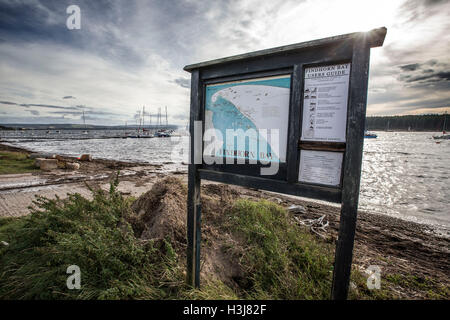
(61, 164)
(59, 158)
(42, 155)
(277, 200)
(72, 166)
(5, 243)
(86, 157)
(37, 162)
(48, 164)
(297, 209)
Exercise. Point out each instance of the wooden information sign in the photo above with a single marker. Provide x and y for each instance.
(289, 120)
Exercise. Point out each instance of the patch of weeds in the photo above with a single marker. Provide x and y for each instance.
(280, 260)
(15, 162)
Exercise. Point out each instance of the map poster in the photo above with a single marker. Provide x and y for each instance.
(321, 167)
(325, 103)
(257, 110)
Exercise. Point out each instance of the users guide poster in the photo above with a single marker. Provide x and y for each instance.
(325, 103)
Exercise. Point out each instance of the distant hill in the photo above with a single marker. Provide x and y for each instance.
(43, 126)
(426, 122)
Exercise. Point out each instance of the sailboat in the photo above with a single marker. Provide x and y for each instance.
(444, 136)
(142, 132)
(163, 133)
(84, 121)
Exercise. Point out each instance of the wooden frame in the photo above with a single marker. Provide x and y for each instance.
(293, 59)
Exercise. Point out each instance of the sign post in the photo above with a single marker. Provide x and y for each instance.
(289, 120)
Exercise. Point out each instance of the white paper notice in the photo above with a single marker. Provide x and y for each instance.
(325, 103)
(321, 167)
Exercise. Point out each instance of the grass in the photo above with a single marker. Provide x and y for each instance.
(15, 162)
(279, 259)
(93, 235)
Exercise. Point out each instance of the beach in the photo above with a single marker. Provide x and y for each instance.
(395, 245)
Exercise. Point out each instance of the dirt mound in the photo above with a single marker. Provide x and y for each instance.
(161, 212)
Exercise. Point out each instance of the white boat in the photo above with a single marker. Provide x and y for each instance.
(444, 136)
(370, 135)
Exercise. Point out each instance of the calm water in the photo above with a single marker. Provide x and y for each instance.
(406, 175)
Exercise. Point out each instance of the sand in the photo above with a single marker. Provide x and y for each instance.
(396, 245)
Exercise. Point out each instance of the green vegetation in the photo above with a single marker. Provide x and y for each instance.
(426, 122)
(282, 263)
(280, 260)
(93, 235)
(15, 162)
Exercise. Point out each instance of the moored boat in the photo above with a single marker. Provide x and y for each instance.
(370, 135)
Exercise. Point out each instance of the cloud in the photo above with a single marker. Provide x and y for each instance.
(430, 73)
(415, 10)
(131, 53)
(410, 67)
(8, 103)
(183, 82)
(33, 112)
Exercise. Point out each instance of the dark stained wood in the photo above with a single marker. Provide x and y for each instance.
(297, 189)
(352, 167)
(292, 59)
(374, 38)
(295, 114)
(193, 203)
(323, 146)
(319, 55)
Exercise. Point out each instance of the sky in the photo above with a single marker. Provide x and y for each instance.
(130, 53)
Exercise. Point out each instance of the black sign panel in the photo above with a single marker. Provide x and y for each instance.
(289, 120)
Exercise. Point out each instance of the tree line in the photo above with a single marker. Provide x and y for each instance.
(426, 122)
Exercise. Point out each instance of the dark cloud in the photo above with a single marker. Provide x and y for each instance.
(66, 110)
(415, 10)
(9, 103)
(183, 82)
(33, 112)
(426, 74)
(27, 105)
(69, 97)
(45, 21)
(410, 67)
(86, 113)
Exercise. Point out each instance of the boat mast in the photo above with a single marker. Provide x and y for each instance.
(159, 117)
(445, 121)
(140, 119)
(150, 120)
(167, 123)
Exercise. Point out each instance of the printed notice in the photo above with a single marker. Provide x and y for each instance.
(321, 167)
(325, 103)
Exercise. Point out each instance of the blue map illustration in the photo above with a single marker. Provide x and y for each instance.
(254, 104)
